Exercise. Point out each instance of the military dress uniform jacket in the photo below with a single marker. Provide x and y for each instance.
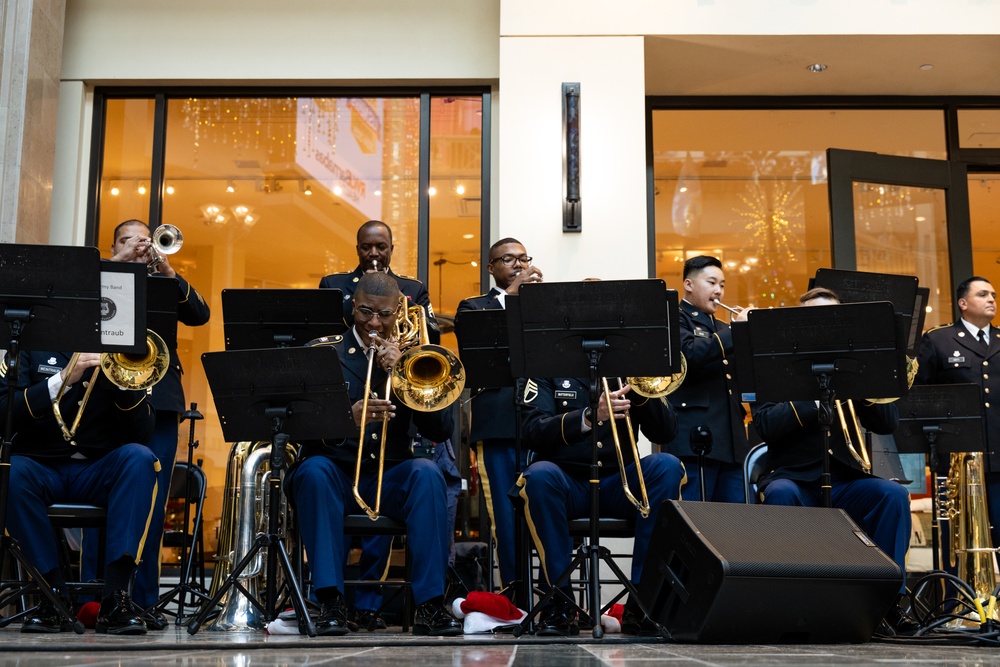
(795, 441)
(553, 425)
(492, 408)
(708, 396)
(950, 355)
(412, 289)
(113, 417)
(168, 394)
(436, 426)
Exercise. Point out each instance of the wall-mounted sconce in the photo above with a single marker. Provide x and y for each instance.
(572, 221)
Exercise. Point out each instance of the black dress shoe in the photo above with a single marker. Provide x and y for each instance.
(559, 619)
(154, 620)
(119, 616)
(434, 618)
(365, 619)
(634, 622)
(332, 621)
(46, 617)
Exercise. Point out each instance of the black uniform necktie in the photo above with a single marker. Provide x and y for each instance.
(982, 340)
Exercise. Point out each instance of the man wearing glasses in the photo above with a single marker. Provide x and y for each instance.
(492, 420)
(319, 485)
(374, 254)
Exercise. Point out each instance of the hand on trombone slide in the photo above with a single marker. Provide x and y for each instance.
(387, 351)
(379, 409)
(619, 404)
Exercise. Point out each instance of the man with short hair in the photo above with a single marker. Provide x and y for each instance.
(794, 465)
(374, 250)
(319, 485)
(132, 243)
(492, 412)
(707, 399)
(99, 461)
(962, 352)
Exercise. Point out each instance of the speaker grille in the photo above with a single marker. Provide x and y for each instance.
(761, 541)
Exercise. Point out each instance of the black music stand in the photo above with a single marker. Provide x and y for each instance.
(594, 330)
(844, 351)
(261, 318)
(50, 300)
(485, 352)
(940, 419)
(278, 394)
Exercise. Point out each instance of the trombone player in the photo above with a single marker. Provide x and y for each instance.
(413, 489)
(555, 487)
(133, 242)
(794, 466)
(98, 460)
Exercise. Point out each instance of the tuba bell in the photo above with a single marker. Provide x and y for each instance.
(244, 517)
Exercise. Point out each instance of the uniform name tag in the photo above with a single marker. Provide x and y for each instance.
(565, 394)
(701, 333)
(956, 360)
(50, 370)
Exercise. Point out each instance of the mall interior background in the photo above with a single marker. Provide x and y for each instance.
(268, 134)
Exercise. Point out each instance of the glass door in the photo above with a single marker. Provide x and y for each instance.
(902, 215)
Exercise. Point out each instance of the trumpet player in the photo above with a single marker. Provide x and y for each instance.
(101, 462)
(962, 352)
(795, 465)
(556, 488)
(413, 490)
(133, 243)
(709, 416)
(492, 428)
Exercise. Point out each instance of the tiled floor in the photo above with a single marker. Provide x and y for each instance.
(175, 646)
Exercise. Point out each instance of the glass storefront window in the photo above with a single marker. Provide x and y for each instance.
(984, 212)
(979, 128)
(269, 192)
(749, 187)
(127, 165)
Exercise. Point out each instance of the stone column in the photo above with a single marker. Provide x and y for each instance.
(30, 62)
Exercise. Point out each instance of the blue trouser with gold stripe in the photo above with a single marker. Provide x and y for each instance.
(552, 497)
(497, 463)
(413, 491)
(123, 480)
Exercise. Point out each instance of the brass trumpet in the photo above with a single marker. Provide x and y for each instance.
(127, 371)
(735, 310)
(166, 240)
(425, 378)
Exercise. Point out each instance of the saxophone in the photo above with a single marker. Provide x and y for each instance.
(244, 517)
(966, 509)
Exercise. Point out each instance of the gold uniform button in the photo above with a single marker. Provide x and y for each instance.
(986, 363)
(374, 437)
(987, 404)
(985, 376)
(600, 464)
(684, 405)
(564, 404)
(728, 376)
(600, 445)
(725, 362)
(372, 455)
(986, 390)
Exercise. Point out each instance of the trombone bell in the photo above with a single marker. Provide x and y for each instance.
(428, 377)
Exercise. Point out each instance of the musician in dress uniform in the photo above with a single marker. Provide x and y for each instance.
(319, 485)
(707, 399)
(374, 248)
(374, 254)
(794, 464)
(966, 351)
(102, 463)
(492, 420)
(555, 487)
(132, 240)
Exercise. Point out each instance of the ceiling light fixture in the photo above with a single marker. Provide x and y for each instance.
(230, 187)
(816, 68)
(307, 190)
(927, 67)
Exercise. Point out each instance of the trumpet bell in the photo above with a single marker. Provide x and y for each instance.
(136, 371)
(428, 377)
(167, 239)
(658, 387)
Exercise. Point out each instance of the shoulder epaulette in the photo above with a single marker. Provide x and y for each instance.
(940, 326)
(416, 280)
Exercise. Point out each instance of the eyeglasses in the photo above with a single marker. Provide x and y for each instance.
(365, 313)
(508, 260)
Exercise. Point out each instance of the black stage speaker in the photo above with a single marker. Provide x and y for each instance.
(756, 574)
